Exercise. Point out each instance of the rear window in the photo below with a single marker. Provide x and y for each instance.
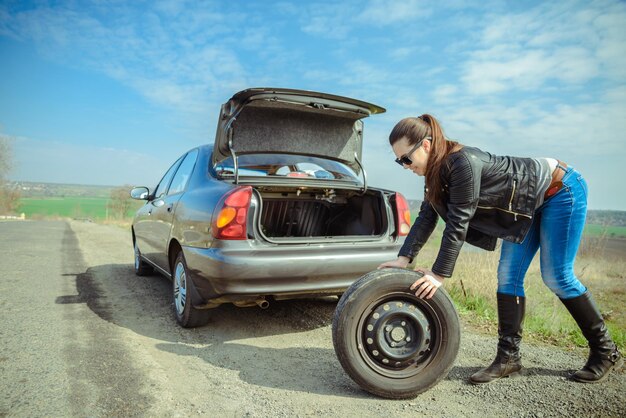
(286, 165)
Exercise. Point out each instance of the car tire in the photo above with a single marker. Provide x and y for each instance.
(141, 267)
(390, 342)
(186, 315)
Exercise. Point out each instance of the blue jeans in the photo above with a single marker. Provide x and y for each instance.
(557, 229)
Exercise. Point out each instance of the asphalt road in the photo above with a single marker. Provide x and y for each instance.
(81, 335)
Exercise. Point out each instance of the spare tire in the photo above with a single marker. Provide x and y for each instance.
(390, 342)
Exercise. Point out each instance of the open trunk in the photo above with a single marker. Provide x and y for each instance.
(321, 215)
(287, 121)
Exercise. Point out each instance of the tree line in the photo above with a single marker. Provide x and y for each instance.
(9, 194)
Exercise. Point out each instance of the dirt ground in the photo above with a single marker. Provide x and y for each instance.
(81, 335)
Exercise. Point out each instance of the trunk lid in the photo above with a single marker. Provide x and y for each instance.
(276, 120)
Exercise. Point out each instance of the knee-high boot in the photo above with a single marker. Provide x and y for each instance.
(603, 354)
(511, 310)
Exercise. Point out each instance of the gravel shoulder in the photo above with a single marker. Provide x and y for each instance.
(82, 335)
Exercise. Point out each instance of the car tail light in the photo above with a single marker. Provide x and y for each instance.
(232, 214)
(403, 215)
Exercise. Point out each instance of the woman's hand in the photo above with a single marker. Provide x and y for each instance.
(401, 263)
(427, 285)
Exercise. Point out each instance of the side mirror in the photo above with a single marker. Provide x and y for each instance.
(140, 193)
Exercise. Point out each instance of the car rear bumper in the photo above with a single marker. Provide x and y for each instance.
(242, 269)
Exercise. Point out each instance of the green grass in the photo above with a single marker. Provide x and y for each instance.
(546, 319)
(472, 304)
(71, 207)
(473, 290)
(599, 231)
(64, 207)
(474, 284)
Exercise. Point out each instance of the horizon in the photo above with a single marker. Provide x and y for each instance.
(102, 93)
(111, 186)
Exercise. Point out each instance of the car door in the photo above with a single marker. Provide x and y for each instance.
(146, 228)
(164, 207)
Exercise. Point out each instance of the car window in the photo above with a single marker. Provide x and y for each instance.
(165, 181)
(287, 165)
(183, 173)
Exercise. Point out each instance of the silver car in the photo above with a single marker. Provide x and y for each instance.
(277, 208)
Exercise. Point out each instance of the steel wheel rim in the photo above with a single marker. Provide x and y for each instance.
(398, 335)
(180, 288)
(137, 257)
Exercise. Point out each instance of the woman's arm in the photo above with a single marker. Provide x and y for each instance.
(464, 193)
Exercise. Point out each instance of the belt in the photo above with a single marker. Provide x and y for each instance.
(556, 183)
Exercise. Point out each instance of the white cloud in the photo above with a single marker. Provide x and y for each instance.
(172, 62)
(328, 20)
(362, 73)
(337, 20)
(445, 93)
(320, 75)
(402, 52)
(386, 12)
(169, 7)
(611, 51)
(526, 51)
(537, 127)
(500, 69)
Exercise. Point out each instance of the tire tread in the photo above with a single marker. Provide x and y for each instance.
(347, 312)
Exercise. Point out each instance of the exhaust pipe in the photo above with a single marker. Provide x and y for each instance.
(263, 304)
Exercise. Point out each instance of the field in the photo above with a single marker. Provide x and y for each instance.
(70, 207)
(605, 231)
(94, 208)
(600, 265)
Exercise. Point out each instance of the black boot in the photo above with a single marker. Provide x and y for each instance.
(603, 354)
(508, 360)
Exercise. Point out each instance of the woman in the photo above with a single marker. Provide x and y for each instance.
(529, 203)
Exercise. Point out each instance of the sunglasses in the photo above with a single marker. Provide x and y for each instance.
(404, 158)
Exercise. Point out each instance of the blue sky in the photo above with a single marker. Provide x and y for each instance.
(111, 92)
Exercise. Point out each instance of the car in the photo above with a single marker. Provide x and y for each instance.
(278, 207)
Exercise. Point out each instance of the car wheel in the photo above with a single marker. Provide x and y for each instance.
(390, 342)
(141, 267)
(186, 315)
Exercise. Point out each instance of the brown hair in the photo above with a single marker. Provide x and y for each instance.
(415, 130)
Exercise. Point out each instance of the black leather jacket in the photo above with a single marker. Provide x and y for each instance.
(486, 197)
